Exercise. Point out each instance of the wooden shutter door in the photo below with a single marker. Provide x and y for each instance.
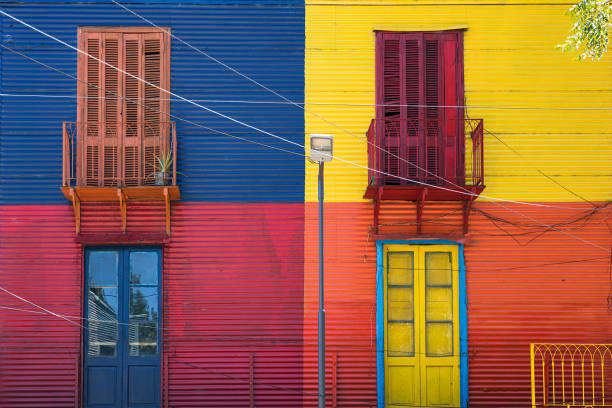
(146, 137)
(453, 145)
(389, 123)
(154, 138)
(433, 82)
(412, 99)
(111, 109)
(99, 110)
(134, 95)
(88, 113)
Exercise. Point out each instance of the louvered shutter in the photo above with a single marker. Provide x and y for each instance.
(391, 125)
(432, 143)
(100, 110)
(420, 72)
(154, 137)
(133, 110)
(123, 121)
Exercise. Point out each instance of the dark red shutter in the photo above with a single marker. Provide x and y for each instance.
(420, 72)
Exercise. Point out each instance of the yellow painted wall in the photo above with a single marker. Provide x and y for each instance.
(510, 61)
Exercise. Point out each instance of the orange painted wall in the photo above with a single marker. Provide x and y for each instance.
(513, 299)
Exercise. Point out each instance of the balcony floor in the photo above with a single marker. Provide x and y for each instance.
(141, 193)
(422, 193)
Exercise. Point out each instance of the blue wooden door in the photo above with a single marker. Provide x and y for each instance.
(122, 336)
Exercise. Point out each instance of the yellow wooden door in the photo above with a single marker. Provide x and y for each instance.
(421, 299)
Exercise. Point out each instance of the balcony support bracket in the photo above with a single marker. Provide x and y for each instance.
(377, 201)
(167, 201)
(419, 209)
(467, 208)
(123, 209)
(76, 208)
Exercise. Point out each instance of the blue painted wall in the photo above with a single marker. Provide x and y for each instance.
(263, 39)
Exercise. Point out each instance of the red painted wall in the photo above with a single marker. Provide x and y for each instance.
(232, 294)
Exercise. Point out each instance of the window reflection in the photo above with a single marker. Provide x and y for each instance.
(142, 338)
(143, 268)
(143, 303)
(102, 315)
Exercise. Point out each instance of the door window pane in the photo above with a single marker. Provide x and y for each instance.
(143, 303)
(439, 339)
(102, 307)
(400, 339)
(143, 268)
(438, 268)
(103, 268)
(401, 268)
(142, 338)
(400, 304)
(439, 304)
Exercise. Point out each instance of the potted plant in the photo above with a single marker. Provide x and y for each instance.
(162, 166)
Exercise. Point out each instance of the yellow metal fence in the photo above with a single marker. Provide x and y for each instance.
(571, 375)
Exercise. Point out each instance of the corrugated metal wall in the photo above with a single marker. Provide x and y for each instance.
(232, 270)
(233, 292)
(510, 60)
(533, 286)
(263, 40)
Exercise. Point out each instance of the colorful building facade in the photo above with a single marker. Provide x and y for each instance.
(466, 211)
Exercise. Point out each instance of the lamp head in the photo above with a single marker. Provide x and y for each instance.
(321, 147)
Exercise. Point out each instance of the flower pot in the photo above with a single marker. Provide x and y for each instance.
(162, 178)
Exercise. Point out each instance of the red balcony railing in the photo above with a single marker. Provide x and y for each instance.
(413, 153)
(118, 154)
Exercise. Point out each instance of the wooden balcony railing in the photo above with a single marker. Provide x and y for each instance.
(118, 155)
(119, 162)
(425, 160)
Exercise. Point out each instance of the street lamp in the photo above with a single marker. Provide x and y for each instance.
(321, 151)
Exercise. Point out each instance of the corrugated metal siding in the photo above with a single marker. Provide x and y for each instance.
(264, 41)
(510, 61)
(39, 261)
(233, 291)
(233, 286)
(512, 299)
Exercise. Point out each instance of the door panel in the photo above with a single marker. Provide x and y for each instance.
(122, 368)
(421, 325)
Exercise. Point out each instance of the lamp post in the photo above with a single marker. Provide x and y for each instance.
(321, 151)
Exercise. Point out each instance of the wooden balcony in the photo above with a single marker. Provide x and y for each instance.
(119, 162)
(424, 160)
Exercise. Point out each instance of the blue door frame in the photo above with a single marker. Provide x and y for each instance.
(126, 282)
(380, 328)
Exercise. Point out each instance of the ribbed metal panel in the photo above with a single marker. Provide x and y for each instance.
(39, 261)
(232, 285)
(233, 289)
(262, 40)
(513, 299)
(510, 60)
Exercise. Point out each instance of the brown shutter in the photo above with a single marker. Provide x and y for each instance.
(88, 145)
(133, 110)
(153, 135)
(112, 43)
(119, 138)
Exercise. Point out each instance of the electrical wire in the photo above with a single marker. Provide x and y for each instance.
(301, 106)
(135, 101)
(296, 104)
(251, 126)
(279, 137)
